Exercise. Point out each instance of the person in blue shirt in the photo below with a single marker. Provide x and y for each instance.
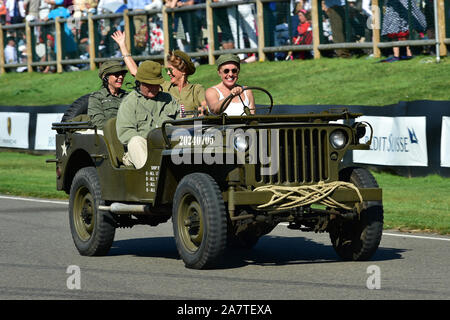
(137, 4)
(70, 46)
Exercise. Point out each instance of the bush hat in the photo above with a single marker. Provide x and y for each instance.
(190, 67)
(149, 72)
(228, 57)
(109, 67)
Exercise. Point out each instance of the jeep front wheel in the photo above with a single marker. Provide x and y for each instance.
(199, 221)
(358, 239)
(92, 230)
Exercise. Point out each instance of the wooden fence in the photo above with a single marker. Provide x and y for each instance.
(262, 50)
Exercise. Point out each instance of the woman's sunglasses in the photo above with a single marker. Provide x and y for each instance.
(234, 71)
(118, 74)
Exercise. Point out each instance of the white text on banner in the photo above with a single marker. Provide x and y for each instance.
(397, 141)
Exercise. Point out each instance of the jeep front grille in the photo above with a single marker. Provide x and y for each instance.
(302, 156)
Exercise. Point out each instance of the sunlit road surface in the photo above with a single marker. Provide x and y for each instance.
(39, 261)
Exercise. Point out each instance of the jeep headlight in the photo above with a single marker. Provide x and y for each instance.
(338, 139)
(240, 143)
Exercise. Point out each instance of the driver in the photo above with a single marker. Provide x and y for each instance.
(228, 67)
(142, 110)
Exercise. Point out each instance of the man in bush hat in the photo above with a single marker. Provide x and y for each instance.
(104, 103)
(144, 109)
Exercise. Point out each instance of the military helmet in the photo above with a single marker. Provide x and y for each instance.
(149, 72)
(109, 67)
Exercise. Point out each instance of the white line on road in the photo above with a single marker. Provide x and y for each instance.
(34, 200)
(400, 235)
(411, 236)
(283, 223)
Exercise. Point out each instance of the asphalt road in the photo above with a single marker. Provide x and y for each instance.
(37, 256)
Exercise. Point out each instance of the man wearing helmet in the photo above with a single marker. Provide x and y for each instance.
(142, 110)
(104, 103)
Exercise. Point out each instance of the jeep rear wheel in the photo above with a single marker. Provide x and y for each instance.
(358, 239)
(92, 230)
(199, 221)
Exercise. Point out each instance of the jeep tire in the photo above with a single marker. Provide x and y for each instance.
(199, 221)
(92, 230)
(358, 239)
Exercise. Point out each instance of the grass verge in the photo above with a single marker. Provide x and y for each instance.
(356, 81)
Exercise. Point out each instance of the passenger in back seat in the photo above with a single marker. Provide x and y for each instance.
(104, 103)
(143, 110)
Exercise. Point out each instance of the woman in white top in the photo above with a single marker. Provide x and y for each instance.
(228, 67)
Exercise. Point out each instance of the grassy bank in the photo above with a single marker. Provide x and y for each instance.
(326, 81)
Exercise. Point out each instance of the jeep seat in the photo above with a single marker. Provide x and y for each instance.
(116, 148)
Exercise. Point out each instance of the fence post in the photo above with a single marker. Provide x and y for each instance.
(210, 29)
(58, 39)
(2, 53)
(166, 33)
(29, 46)
(260, 25)
(315, 27)
(91, 36)
(126, 21)
(441, 26)
(376, 21)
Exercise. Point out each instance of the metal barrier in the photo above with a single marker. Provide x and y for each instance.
(47, 45)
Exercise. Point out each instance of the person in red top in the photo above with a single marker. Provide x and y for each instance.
(3, 11)
(304, 25)
(304, 33)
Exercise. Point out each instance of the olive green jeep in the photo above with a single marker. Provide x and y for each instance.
(224, 180)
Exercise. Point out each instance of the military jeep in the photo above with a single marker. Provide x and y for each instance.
(225, 181)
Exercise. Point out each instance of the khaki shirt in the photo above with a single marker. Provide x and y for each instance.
(138, 115)
(191, 96)
(103, 106)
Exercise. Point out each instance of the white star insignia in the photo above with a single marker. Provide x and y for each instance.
(64, 149)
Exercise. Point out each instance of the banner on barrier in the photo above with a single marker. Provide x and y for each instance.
(14, 129)
(445, 142)
(45, 136)
(397, 141)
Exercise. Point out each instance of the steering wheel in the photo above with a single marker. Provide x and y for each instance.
(246, 109)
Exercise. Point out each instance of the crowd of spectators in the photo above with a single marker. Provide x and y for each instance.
(286, 23)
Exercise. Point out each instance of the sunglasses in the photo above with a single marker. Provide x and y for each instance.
(118, 74)
(234, 71)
